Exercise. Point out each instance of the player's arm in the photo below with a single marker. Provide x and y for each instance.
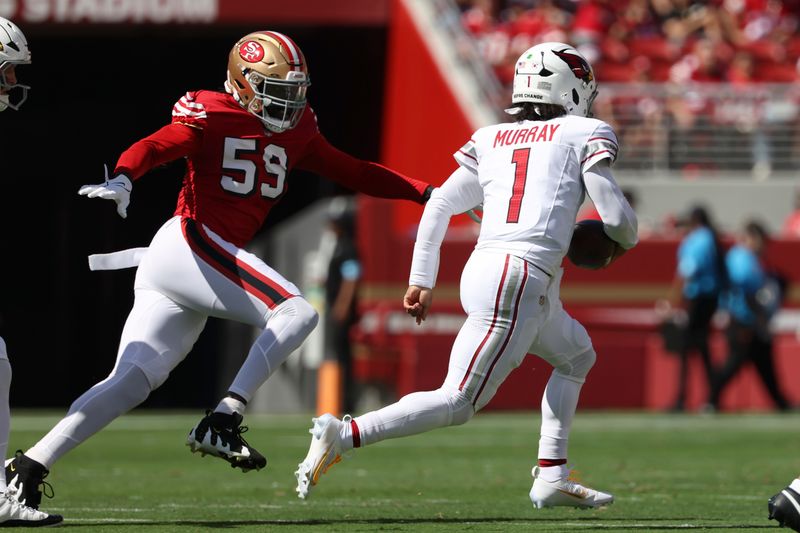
(619, 220)
(167, 144)
(366, 177)
(460, 192)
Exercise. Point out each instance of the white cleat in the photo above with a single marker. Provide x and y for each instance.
(565, 493)
(15, 514)
(324, 452)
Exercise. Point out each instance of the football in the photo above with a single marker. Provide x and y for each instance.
(590, 247)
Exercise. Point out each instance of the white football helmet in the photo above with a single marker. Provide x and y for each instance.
(13, 51)
(555, 73)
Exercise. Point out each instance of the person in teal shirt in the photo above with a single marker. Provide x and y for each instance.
(701, 272)
(752, 298)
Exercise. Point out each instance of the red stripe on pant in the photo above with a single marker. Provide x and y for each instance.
(491, 326)
(271, 292)
(510, 333)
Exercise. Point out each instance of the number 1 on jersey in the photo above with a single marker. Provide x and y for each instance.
(520, 160)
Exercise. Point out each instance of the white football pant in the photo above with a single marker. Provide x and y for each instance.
(513, 308)
(187, 275)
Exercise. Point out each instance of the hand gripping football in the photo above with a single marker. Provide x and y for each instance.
(590, 247)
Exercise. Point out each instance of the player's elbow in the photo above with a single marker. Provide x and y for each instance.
(623, 230)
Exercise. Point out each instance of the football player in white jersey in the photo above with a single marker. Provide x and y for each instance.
(531, 176)
(13, 52)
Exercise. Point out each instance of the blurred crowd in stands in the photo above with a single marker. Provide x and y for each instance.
(714, 115)
(737, 41)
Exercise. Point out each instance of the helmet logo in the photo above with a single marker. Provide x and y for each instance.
(577, 64)
(251, 51)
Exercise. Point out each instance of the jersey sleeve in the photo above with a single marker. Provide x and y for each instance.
(366, 177)
(601, 144)
(459, 193)
(467, 156)
(189, 111)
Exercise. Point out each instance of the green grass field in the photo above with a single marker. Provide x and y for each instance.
(667, 472)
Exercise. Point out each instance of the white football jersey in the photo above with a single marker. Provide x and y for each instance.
(531, 173)
(531, 177)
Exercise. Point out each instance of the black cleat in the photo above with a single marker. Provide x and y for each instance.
(785, 508)
(25, 480)
(220, 435)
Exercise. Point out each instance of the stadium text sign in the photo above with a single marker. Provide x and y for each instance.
(110, 11)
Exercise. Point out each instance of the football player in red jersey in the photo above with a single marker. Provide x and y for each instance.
(13, 513)
(240, 146)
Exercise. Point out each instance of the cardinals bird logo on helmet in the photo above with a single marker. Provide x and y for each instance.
(555, 73)
(579, 66)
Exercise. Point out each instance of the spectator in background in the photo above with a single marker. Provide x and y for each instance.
(791, 226)
(701, 277)
(752, 298)
(341, 291)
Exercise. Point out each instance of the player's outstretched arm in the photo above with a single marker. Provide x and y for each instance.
(361, 176)
(167, 144)
(117, 188)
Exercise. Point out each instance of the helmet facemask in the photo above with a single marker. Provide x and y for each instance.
(12, 94)
(267, 76)
(13, 52)
(278, 103)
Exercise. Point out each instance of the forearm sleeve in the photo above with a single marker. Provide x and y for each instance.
(460, 192)
(167, 144)
(615, 211)
(362, 176)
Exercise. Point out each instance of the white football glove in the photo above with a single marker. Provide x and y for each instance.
(118, 189)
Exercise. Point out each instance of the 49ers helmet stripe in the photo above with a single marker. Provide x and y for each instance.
(294, 52)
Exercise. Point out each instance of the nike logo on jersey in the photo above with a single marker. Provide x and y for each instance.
(541, 133)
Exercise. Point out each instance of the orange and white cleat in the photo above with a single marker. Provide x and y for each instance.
(324, 452)
(565, 493)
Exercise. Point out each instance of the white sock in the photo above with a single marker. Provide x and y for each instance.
(554, 473)
(415, 413)
(230, 405)
(346, 435)
(287, 327)
(795, 486)
(559, 402)
(123, 390)
(5, 415)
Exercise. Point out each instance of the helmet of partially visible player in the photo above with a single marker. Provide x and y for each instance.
(555, 73)
(268, 76)
(13, 51)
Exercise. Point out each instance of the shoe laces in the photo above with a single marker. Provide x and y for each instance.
(574, 476)
(47, 488)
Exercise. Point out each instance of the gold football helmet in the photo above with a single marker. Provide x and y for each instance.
(267, 75)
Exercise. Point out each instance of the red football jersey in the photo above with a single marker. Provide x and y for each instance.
(239, 170)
